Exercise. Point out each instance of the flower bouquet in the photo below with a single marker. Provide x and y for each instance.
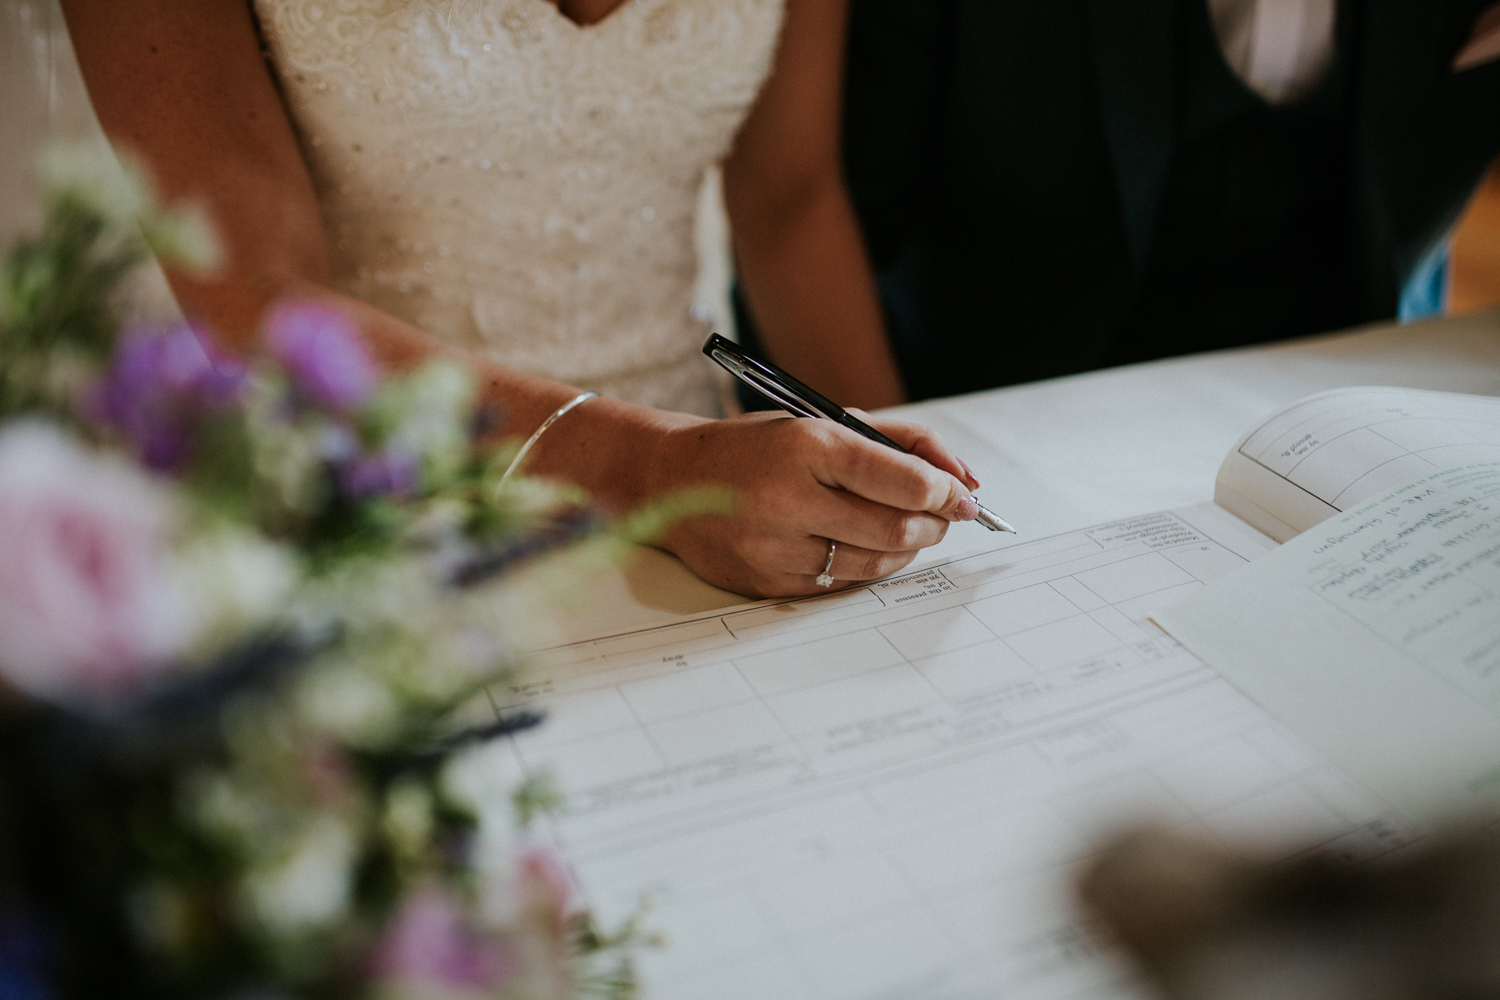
(243, 631)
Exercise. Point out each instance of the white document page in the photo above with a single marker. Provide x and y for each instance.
(1377, 637)
(886, 793)
(1330, 451)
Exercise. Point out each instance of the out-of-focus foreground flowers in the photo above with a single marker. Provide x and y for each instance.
(243, 632)
(88, 598)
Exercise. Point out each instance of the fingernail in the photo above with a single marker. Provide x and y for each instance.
(970, 473)
(967, 509)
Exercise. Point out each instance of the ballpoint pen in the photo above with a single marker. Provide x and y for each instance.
(800, 400)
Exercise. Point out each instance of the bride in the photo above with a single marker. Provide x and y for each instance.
(515, 181)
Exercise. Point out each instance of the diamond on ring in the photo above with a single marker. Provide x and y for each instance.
(825, 578)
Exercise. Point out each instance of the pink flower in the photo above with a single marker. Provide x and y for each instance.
(430, 943)
(323, 353)
(544, 890)
(88, 603)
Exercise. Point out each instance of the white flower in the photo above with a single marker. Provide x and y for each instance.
(116, 186)
(483, 779)
(346, 700)
(408, 820)
(113, 186)
(288, 457)
(310, 887)
(436, 404)
(88, 601)
(238, 581)
(185, 237)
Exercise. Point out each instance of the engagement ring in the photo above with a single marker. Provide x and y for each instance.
(825, 579)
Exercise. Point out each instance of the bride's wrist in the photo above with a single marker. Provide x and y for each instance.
(621, 453)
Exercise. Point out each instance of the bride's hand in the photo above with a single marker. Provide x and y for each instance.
(800, 484)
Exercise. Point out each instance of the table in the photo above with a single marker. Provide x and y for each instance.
(1089, 448)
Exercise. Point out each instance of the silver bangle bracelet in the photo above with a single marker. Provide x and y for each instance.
(515, 463)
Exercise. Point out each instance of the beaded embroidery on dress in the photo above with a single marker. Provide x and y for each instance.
(520, 185)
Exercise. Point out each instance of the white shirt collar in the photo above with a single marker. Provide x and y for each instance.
(1280, 48)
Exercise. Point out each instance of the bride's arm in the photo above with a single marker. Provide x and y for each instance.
(183, 83)
(801, 260)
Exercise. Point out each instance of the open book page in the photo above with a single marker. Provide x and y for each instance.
(1377, 637)
(886, 792)
(1327, 452)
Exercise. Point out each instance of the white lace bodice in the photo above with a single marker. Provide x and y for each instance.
(525, 187)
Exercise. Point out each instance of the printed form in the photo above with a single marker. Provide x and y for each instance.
(1350, 443)
(885, 793)
(1323, 454)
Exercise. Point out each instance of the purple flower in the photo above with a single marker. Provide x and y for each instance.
(161, 381)
(381, 473)
(324, 354)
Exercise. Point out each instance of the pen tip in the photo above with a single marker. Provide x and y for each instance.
(993, 521)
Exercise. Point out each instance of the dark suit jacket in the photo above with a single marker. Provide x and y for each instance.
(1048, 186)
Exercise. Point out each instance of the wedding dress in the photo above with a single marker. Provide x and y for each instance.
(518, 184)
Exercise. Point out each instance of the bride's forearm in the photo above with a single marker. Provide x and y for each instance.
(616, 451)
(624, 455)
(234, 309)
(608, 447)
(523, 401)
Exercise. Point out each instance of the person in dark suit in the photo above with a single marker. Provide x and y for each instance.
(1047, 188)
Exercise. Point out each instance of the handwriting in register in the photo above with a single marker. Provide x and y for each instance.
(1427, 581)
